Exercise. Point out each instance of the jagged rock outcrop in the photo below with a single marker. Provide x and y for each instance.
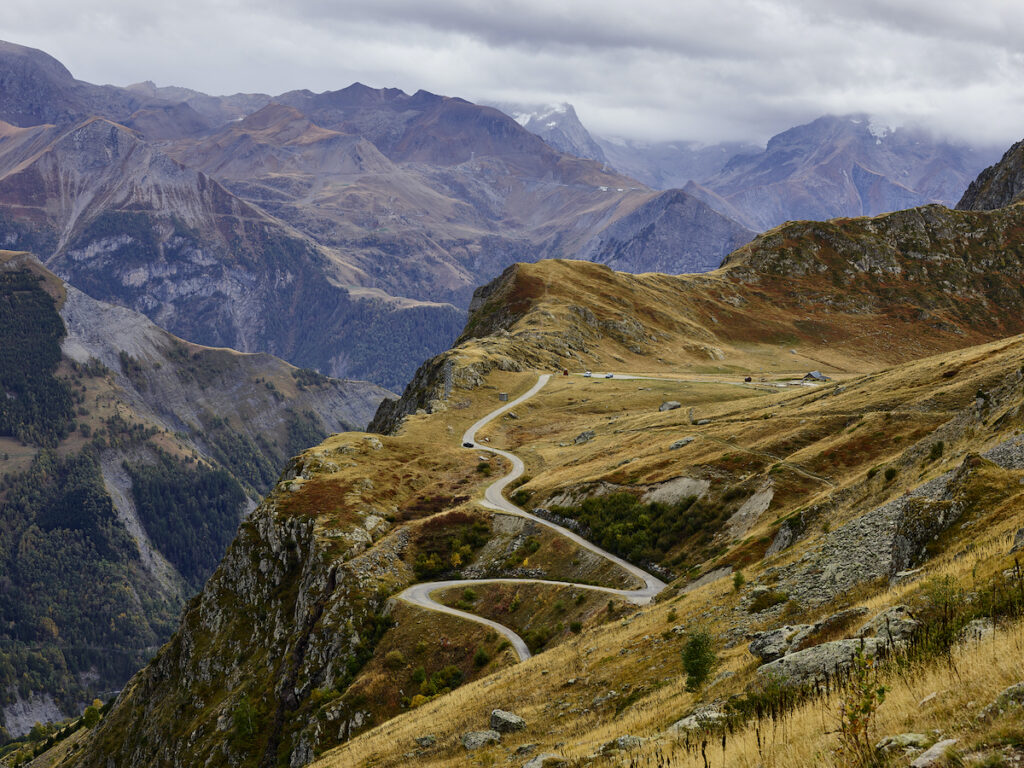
(998, 185)
(311, 617)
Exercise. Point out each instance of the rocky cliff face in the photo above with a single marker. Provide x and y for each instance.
(998, 185)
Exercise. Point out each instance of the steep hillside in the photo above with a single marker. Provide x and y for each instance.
(128, 458)
(35, 89)
(123, 222)
(850, 295)
(691, 471)
(998, 185)
(839, 166)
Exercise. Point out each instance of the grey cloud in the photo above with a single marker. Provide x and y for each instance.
(649, 69)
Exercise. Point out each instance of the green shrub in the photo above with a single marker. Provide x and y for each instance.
(699, 658)
(481, 658)
(575, 627)
(890, 473)
(394, 660)
(738, 580)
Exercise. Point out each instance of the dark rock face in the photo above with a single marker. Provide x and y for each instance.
(998, 185)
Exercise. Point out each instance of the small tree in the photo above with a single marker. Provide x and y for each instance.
(699, 658)
(91, 716)
(738, 580)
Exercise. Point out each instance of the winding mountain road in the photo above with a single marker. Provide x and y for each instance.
(420, 594)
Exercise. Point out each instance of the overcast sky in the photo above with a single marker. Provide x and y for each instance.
(708, 70)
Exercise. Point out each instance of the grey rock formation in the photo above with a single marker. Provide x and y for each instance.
(670, 405)
(506, 722)
(935, 756)
(998, 185)
(888, 539)
(547, 760)
(813, 665)
(426, 741)
(584, 437)
(621, 743)
(977, 630)
(1009, 698)
(681, 443)
(776, 643)
(893, 625)
(904, 743)
(1018, 542)
(477, 739)
(703, 718)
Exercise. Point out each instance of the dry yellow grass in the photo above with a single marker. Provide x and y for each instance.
(639, 657)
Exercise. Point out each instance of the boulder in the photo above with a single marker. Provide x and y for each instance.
(548, 760)
(1018, 542)
(775, 643)
(977, 630)
(670, 405)
(1009, 698)
(506, 722)
(623, 743)
(700, 719)
(894, 626)
(681, 443)
(585, 436)
(426, 741)
(904, 743)
(935, 756)
(476, 739)
(813, 665)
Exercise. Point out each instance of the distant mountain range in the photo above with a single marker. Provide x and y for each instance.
(834, 166)
(306, 224)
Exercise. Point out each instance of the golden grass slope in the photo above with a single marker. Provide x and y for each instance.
(821, 448)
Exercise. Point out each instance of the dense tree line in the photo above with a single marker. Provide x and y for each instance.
(190, 513)
(73, 596)
(35, 406)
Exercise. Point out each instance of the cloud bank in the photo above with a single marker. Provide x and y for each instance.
(706, 70)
